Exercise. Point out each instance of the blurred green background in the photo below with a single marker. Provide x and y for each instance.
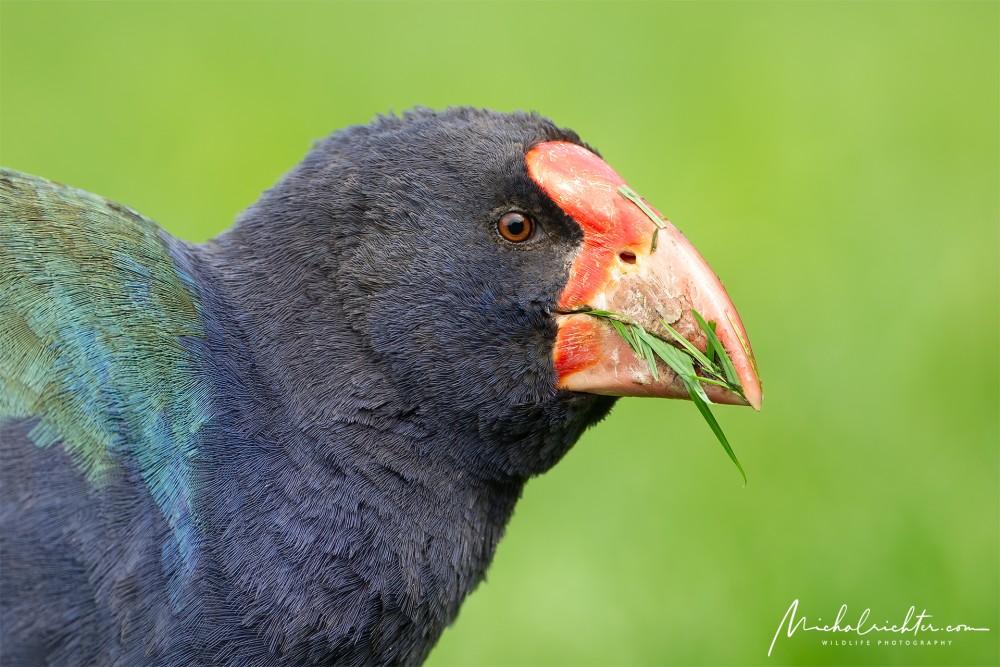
(836, 162)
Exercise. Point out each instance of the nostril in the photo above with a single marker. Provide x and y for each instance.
(627, 256)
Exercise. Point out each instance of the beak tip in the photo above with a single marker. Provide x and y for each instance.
(753, 390)
(756, 397)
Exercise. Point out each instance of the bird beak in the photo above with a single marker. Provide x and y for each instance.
(622, 269)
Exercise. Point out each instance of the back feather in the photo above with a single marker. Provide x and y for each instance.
(96, 326)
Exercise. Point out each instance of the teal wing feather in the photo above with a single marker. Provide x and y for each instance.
(96, 331)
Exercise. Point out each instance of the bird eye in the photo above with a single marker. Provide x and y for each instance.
(516, 227)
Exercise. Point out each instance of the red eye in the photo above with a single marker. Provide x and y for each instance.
(516, 227)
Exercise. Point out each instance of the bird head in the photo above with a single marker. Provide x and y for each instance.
(457, 250)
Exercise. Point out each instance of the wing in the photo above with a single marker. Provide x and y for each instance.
(98, 333)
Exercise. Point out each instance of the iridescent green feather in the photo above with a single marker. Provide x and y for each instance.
(96, 323)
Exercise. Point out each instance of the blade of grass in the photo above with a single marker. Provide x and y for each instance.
(727, 364)
(651, 360)
(607, 314)
(630, 333)
(638, 335)
(681, 361)
(706, 413)
(633, 196)
(710, 351)
(624, 332)
(691, 349)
